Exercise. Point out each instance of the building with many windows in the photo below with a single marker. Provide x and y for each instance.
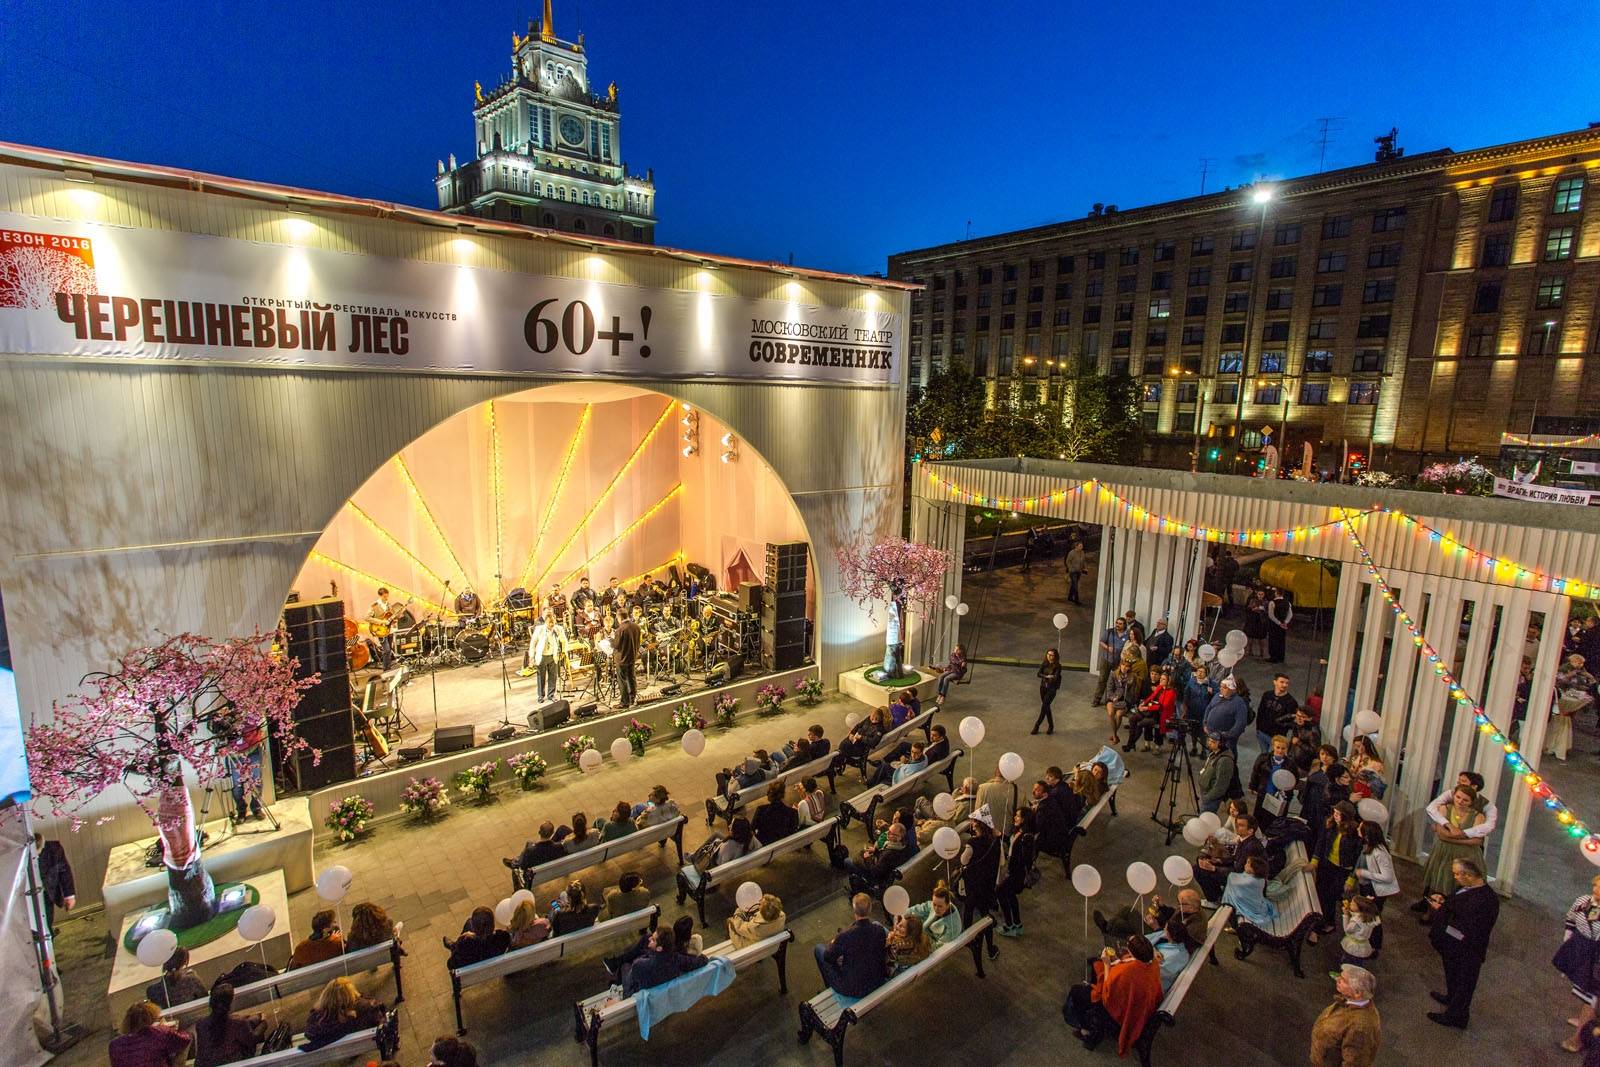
(549, 150)
(1421, 305)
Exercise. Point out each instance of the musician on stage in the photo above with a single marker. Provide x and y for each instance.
(584, 597)
(381, 613)
(614, 597)
(625, 648)
(549, 641)
(555, 603)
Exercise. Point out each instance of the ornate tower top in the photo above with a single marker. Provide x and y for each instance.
(547, 28)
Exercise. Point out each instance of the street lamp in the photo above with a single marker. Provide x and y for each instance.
(1262, 195)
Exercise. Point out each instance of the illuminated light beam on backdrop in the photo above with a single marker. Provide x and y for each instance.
(427, 513)
(605, 493)
(357, 572)
(632, 526)
(642, 575)
(1540, 789)
(496, 487)
(389, 539)
(555, 496)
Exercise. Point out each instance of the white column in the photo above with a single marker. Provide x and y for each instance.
(1412, 778)
(1104, 612)
(1342, 648)
(1474, 668)
(1379, 621)
(1513, 829)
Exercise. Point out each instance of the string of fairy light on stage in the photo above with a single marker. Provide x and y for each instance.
(1501, 569)
(1536, 785)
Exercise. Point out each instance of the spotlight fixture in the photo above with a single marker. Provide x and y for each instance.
(691, 431)
(730, 447)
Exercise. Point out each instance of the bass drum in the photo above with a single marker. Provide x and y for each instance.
(474, 648)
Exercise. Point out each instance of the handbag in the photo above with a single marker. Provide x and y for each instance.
(1274, 804)
(278, 1038)
(1031, 879)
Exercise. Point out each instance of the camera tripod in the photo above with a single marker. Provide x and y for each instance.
(1178, 769)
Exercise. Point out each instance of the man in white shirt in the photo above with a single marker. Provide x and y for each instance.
(1491, 814)
(378, 623)
(549, 640)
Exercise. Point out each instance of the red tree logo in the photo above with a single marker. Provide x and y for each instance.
(34, 267)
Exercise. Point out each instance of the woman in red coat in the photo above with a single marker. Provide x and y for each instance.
(1125, 995)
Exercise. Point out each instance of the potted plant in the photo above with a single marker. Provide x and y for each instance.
(769, 698)
(423, 798)
(348, 819)
(901, 572)
(725, 707)
(477, 780)
(637, 734)
(685, 717)
(809, 690)
(527, 768)
(576, 745)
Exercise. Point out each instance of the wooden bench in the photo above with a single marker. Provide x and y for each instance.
(828, 1015)
(697, 883)
(1297, 914)
(594, 1014)
(864, 806)
(547, 951)
(728, 806)
(893, 736)
(566, 866)
(1105, 802)
(1167, 1013)
(384, 1039)
(298, 980)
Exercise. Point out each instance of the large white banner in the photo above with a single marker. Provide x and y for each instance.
(79, 289)
(1547, 494)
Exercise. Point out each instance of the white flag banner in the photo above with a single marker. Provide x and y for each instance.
(1547, 494)
(85, 289)
(1585, 467)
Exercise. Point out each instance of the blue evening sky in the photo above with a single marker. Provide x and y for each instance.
(835, 132)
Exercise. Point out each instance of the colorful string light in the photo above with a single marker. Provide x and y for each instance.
(1536, 785)
(555, 494)
(1568, 442)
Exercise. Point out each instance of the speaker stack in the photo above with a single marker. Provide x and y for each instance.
(322, 718)
(783, 607)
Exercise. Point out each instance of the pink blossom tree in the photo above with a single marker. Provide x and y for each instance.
(897, 571)
(189, 701)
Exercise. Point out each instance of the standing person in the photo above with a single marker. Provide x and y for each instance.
(1348, 1032)
(980, 875)
(1255, 624)
(1461, 924)
(955, 669)
(1280, 613)
(1077, 566)
(547, 643)
(1578, 958)
(1111, 642)
(1228, 714)
(1049, 684)
(1216, 774)
(625, 646)
(1275, 711)
(1375, 875)
(1271, 801)
(1159, 645)
(1452, 842)
(380, 614)
(1023, 850)
(855, 962)
(1120, 694)
(1335, 862)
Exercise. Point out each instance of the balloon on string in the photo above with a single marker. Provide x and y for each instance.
(951, 601)
(1086, 880)
(257, 922)
(1229, 656)
(946, 843)
(1212, 821)
(621, 750)
(1372, 810)
(1368, 722)
(1060, 620)
(694, 742)
(944, 805)
(1349, 733)
(962, 609)
(850, 721)
(334, 883)
(589, 760)
(520, 895)
(1283, 778)
(1011, 766)
(1141, 877)
(971, 730)
(1178, 870)
(1195, 832)
(1207, 653)
(504, 910)
(748, 895)
(896, 900)
(1236, 639)
(156, 947)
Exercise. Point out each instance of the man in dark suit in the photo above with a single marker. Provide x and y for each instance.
(854, 962)
(625, 646)
(541, 851)
(1460, 930)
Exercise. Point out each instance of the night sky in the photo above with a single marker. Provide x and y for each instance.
(835, 133)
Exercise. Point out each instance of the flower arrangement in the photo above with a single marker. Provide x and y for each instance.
(684, 717)
(477, 779)
(1377, 480)
(424, 798)
(576, 745)
(527, 768)
(809, 690)
(769, 698)
(1465, 477)
(637, 734)
(348, 819)
(725, 707)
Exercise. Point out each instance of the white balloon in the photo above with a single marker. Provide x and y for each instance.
(962, 609)
(522, 894)
(896, 900)
(1207, 653)
(850, 721)
(589, 760)
(1086, 880)
(971, 730)
(257, 922)
(1368, 722)
(1372, 810)
(1212, 821)
(1011, 766)
(1229, 656)
(503, 911)
(1195, 832)
(1178, 870)
(1141, 877)
(748, 895)
(1060, 620)
(694, 742)
(951, 601)
(1283, 778)
(334, 883)
(621, 750)
(1236, 639)
(946, 843)
(155, 948)
(944, 805)
(1349, 733)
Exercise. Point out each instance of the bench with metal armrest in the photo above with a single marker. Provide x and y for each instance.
(567, 866)
(1298, 913)
(696, 883)
(314, 976)
(864, 805)
(727, 806)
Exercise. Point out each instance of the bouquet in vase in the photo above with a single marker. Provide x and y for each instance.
(726, 707)
(477, 780)
(576, 745)
(809, 690)
(684, 717)
(769, 698)
(424, 798)
(637, 734)
(527, 768)
(348, 820)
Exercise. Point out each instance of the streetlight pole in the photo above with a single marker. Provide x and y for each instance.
(1199, 420)
(1263, 196)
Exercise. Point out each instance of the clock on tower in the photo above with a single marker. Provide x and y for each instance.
(571, 130)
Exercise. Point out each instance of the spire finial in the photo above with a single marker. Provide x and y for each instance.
(547, 29)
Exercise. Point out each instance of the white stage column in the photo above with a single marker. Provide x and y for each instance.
(1513, 829)
(1345, 630)
(1413, 777)
(940, 524)
(1474, 670)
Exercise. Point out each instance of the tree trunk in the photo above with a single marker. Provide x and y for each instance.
(894, 639)
(191, 896)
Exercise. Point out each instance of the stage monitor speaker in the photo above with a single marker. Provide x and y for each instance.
(411, 755)
(750, 596)
(454, 738)
(336, 765)
(725, 670)
(587, 711)
(786, 568)
(504, 733)
(550, 714)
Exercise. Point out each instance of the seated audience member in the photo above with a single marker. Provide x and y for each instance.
(369, 926)
(749, 925)
(1246, 891)
(658, 809)
(146, 1041)
(479, 940)
(527, 926)
(1218, 861)
(1124, 995)
(938, 747)
(862, 738)
(811, 803)
(1050, 820)
(582, 837)
(796, 753)
(324, 943)
(894, 772)
(1126, 922)
(775, 819)
(909, 695)
(899, 711)
(620, 824)
(660, 964)
(177, 984)
(875, 865)
(540, 851)
(739, 842)
(1268, 795)
(683, 936)
(855, 962)
(684, 933)
(820, 745)
(1147, 723)
(1173, 950)
(1089, 785)
(451, 1051)
(908, 943)
(928, 820)
(340, 1010)
(1066, 798)
(938, 916)
(572, 910)
(629, 895)
(223, 1037)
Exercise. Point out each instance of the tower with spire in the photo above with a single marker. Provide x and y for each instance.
(549, 151)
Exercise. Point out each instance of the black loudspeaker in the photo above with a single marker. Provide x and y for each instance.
(454, 738)
(315, 642)
(783, 618)
(750, 597)
(504, 733)
(588, 711)
(337, 765)
(725, 670)
(411, 755)
(786, 568)
(549, 714)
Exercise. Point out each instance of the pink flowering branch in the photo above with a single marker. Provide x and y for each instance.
(892, 569)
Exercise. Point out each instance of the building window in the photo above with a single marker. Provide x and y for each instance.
(936, 349)
(1283, 267)
(958, 279)
(1035, 269)
(938, 326)
(1152, 392)
(1199, 276)
(1335, 226)
(1096, 260)
(1569, 195)
(1323, 329)
(1035, 294)
(1363, 394)
(1313, 392)
(1496, 250)
(985, 299)
(960, 325)
(1194, 335)
(961, 302)
(1064, 264)
(1201, 246)
(1127, 283)
(1542, 340)
(958, 345)
(1160, 307)
(1272, 361)
(1244, 240)
(1276, 331)
(1240, 272)
(1319, 361)
(985, 275)
(1287, 234)
(1378, 291)
(1035, 319)
(1091, 346)
(1058, 346)
(1094, 287)
(1188, 392)
(1388, 219)
(1384, 256)
(1479, 342)
(1558, 243)
(1030, 346)
(1550, 292)
(1161, 280)
(1280, 299)
(1231, 362)
(1503, 204)
(1369, 360)
(1325, 296)
(1007, 353)
(1063, 290)
(1239, 301)
(1225, 393)
(1330, 262)
(1269, 394)
(1194, 305)
(1009, 272)
(980, 357)
(1129, 257)
(1373, 326)
(1063, 316)
(1233, 333)
(1122, 339)
(1091, 313)
(1156, 336)
(1008, 320)
(983, 324)
(1008, 297)
(1166, 251)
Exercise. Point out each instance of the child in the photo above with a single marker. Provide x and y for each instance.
(1360, 921)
